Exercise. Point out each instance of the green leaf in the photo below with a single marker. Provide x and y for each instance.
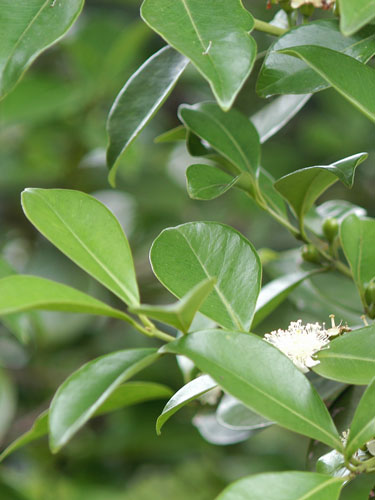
(215, 433)
(231, 134)
(185, 255)
(125, 395)
(353, 16)
(357, 240)
(7, 403)
(289, 485)
(273, 199)
(24, 293)
(83, 392)
(192, 390)
(181, 314)
(174, 135)
(359, 489)
(281, 74)
(302, 187)
(332, 463)
(139, 100)
(272, 117)
(27, 30)
(346, 75)
(247, 367)
(206, 182)
(88, 233)
(233, 414)
(214, 36)
(350, 358)
(362, 428)
(275, 292)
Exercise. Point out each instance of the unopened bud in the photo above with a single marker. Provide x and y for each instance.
(330, 228)
(370, 293)
(310, 254)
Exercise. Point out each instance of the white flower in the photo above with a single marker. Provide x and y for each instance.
(371, 446)
(296, 4)
(300, 342)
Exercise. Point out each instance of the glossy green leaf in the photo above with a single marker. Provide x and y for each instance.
(192, 390)
(357, 240)
(24, 293)
(214, 36)
(125, 395)
(247, 367)
(281, 74)
(7, 403)
(350, 358)
(184, 256)
(88, 233)
(83, 392)
(181, 314)
(27, 30)
(302, 187)
(233, 414)
(231, 134)
(362, 428)
(272, 198)
(275, 292)
(332, 463)
(206, 182)
(346, 75)
(274, 116)
(139, 100)
(354, 15)
(174, 135)
(289, 485)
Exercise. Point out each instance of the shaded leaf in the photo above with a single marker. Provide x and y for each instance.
(273, 199)
(215, 433)
(88, 233)
(139, 100)
(233, 414)
(206, 182)
(353, 16)
(7, 403)
(359, 488)
(183, 256)
(214, 36)
(174, 135)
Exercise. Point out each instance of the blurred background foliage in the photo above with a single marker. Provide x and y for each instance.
(52, 134)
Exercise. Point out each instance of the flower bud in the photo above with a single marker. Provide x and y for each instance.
(330, 228)
(310, 254)
(370, 293)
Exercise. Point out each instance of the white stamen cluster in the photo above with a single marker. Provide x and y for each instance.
(300, 342)
(316, 3)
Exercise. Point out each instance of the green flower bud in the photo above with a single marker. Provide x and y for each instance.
(310, 254)
(370, 293)
(330, 228)
(371, 311)
(307, 10)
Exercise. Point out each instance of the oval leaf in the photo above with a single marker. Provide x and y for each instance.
(213, 35)
(355, 15)
(284, 486)
(83, 392)
(247, 367)
(192, 390)
(350, 358)
(24, 293)
(185, 255)
(281, 74)
(362, 428)
(233, 414)
(88, 233)
(302, 187)
(346, 75)
(231, 134)
(139, 100)
(27, 30)
(205, 182)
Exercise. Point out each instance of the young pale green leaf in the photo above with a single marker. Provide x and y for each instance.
(272, 117)
(232, 414)
(174, 135)
(357, 240)
(7, 403)
(183, 256)
(139, 100)
(213, 35)
(247, 367)
(346, 75)
(231, 134)
(181, 314)
(302, 187)
(83, 392)
(281, 74)
(27, 30)
(350, 358)
(289, 485)
(88, 233)
(125, 395)
(354, 15)
(275, 292)
(206, 182)
(192, 390)
(24, 293)
(362, 428)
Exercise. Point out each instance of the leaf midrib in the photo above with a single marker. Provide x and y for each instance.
(319, 487)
